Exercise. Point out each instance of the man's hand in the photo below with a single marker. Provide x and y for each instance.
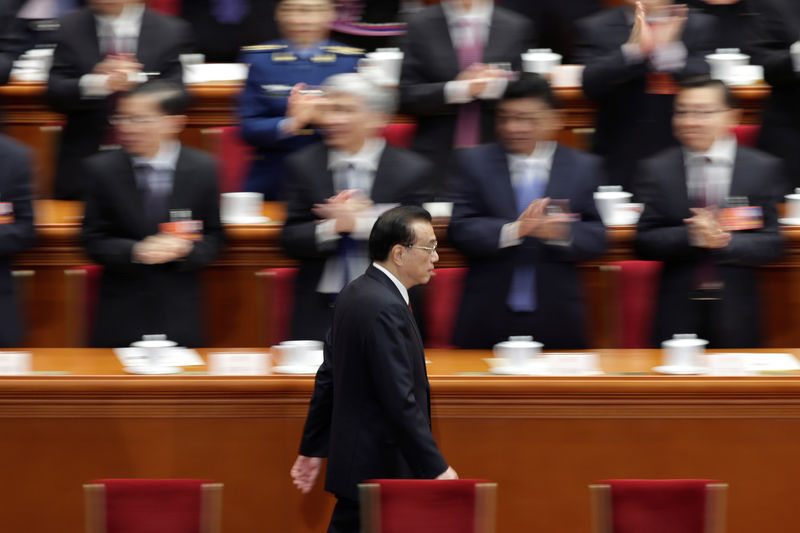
(478, 76)
(448, 474)
(344, 208)
(670, 29)
(534, 222)
(705, 230)
(304, 472)
(161, 248)
(641, 34)
(119, 69)
(301, 109)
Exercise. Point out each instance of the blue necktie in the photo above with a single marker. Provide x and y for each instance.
(522, 292)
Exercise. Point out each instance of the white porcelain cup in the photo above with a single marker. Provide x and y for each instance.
(607, 198)
(241, 206)
(722, 63)
(154, 346)
(684, 350)
(383, 65)
(793, 204)
(567, 76)
(746, 74)
(518, 351)
(540, 60)
(299, 353)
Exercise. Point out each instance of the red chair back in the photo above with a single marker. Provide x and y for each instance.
(276, 303)
(235, 157)
(637, 289)
(659, 506)
(400, 135)
(428, 506)
(442, 300)
(167, 7)
(746, 135)
(163, 505)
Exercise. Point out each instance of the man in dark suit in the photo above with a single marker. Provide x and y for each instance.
(632, 58)
(523, 216)
(735, 21)
(336, 190)
(708, 284)
(102, 51)
(12, 37)
(370, 412)
(449, 80)
(16, 231)
(152, 220)
(777, 48)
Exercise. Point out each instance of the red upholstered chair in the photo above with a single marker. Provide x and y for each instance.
(442, 300)
(162, 505)
(631, 306)
(428, 506)
(746, 135)
(235, 157)
(658, 506)
(83, 290)
(275, 303)
(168, 7)
(400, 135)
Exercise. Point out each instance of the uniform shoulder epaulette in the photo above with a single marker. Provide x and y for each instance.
(344, 50)
(264, 47)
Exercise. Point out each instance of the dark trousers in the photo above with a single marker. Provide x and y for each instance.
(345, 517)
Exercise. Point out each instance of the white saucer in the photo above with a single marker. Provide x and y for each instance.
(680, 370)
(152, 370)
(789, 221)
(293, 369)
(511, 371)
(246, 220)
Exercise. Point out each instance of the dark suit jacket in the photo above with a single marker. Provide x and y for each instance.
(430, 61)
(484, 202)
(12, 37)
(16, 236)
(631, 123)
(735, 23)
(402, 177)
(370, 411)
(161, 40)
(662, 236)
(137, 299)
(779, 28)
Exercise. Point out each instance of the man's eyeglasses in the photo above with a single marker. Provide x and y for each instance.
(429, 249)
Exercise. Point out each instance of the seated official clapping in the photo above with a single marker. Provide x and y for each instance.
(524, 216)
(152, 220)
(335, 192)
(709, 215)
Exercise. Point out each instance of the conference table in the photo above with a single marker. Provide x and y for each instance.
(543, 439)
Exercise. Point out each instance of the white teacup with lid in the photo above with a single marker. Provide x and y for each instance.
(683, 353)
(793, 207)
(607, 198)
(299, 354)
(154, 347)
(724, 62)
(518, 350)
(540, 60)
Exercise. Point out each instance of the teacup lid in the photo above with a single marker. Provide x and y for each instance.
(684, 340)
(541, 53)
(519, 341)
(154, 341)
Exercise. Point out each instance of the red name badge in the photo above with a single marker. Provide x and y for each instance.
(661, 83)
(741, 218)
(6, 213)
(184, 229)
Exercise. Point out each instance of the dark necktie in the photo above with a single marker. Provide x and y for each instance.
(155, 184)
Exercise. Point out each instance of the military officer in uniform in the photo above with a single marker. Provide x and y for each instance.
(278, 105)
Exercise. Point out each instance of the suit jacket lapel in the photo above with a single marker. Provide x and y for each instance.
(131, 193)
(385, 178)
(560, 174)
(89, 32)
(180, 197)
(321, 172)
(739, 176)
(146, 35)
(446, 46)
(505, 190)
(676, 186)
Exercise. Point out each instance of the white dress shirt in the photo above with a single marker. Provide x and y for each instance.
(480, 20)
(400, 286)
(124, 28)
(794, 51)
(713, 181)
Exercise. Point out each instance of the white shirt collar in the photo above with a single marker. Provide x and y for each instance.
(721, 152)
(542, 155)
(128, 22)
(400, 286)
(481, 11)
(165, 159)
(365, 159)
